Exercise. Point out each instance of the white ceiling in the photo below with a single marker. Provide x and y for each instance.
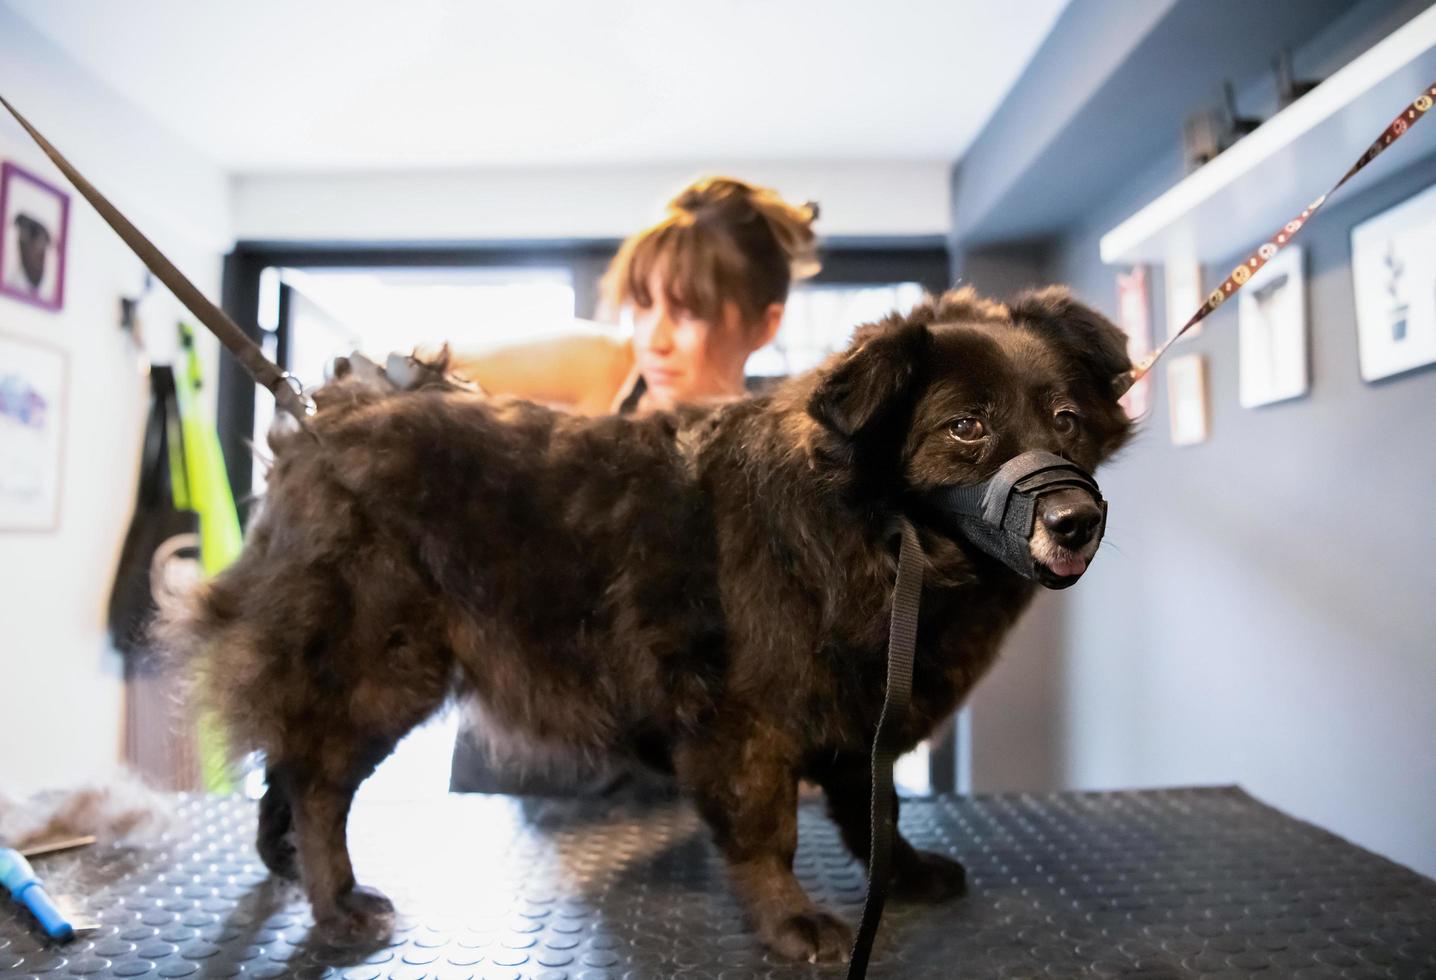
(324, 85)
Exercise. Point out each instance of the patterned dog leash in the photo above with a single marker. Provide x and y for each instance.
(1239, 276)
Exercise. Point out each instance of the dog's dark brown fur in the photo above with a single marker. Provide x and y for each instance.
(704, 590)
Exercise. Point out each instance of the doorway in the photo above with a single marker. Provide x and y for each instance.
(307, 304)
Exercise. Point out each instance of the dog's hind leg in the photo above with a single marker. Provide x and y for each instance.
(275, 841)
(320, 796)
(361, 693)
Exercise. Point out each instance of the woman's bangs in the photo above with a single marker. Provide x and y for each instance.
(695, 271)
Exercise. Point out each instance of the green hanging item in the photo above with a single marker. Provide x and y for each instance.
(220, 536)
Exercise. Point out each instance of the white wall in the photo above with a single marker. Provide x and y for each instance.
(59, 679)
(58, 672)
(892, 198)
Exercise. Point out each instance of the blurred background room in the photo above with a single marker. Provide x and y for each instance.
(380, 177)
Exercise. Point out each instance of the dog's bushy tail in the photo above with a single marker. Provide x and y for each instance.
(199, 640)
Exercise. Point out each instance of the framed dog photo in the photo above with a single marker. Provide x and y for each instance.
(1187, 399)
(1393, 262)
(1271, 311)
(32, 434)
(34, 228)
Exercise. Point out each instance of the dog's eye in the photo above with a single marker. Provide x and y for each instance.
(1065, 422)
(967, 429)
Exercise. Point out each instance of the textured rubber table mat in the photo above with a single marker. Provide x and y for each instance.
(1180, 883)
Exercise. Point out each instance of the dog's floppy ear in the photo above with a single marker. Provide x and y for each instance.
(873, 376)
(1094, 342)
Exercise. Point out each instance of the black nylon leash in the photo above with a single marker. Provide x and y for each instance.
(287, 391)
(902, 642)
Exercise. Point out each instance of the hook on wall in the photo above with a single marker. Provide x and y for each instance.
(130, 307)
(132, 324)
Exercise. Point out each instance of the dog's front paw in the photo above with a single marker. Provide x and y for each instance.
(929, 877)
(357, 915)
(815, 936)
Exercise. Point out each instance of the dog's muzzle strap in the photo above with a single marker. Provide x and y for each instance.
(902, 642)
(998, 515)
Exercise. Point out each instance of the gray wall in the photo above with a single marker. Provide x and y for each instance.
(1267, 614)
(1001, 271)
(1263, 611)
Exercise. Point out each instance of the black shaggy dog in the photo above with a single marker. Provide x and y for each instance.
(706, 591)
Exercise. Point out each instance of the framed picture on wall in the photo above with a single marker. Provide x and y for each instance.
(1133, 315)
(34, 229)
(1183, 296)
(1393, 263)
(1187, 399)
(32, 434)
(1271, 312)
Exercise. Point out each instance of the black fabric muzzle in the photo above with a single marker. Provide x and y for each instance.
(999, 514)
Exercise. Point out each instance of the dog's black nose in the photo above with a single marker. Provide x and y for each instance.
(1072, 524)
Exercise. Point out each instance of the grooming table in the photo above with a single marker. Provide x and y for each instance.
(1166, 884)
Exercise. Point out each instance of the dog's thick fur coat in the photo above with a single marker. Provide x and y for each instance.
(705, 590)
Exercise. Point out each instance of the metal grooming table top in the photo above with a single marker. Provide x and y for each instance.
(1166, 884)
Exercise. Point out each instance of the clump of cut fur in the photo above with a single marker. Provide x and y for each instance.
(121, 811)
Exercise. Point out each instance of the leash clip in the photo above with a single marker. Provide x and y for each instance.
(289, 394)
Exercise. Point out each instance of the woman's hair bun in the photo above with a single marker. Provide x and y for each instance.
(726, 199)
(722, 242)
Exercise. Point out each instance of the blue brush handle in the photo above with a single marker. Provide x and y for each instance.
(20, 880)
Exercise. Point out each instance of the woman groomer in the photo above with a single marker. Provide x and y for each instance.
(704, 288)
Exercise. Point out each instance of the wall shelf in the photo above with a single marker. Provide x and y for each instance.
(1245, 194)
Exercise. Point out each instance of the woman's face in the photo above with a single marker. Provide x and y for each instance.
(684, 358)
